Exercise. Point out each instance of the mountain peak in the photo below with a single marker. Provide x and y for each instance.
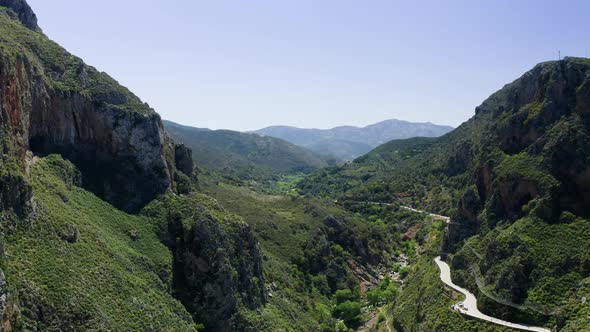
(23, 13)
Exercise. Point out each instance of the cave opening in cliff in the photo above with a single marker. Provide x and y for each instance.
(37, 145)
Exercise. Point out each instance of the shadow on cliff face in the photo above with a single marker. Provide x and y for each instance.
(115, 179)
(122, 157)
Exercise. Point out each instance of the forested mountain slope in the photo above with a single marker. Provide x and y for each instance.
(246, 156)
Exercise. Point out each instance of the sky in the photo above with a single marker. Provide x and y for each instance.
(248, 64)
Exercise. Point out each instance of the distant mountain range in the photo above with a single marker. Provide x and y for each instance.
(348, 142)
(247, 156)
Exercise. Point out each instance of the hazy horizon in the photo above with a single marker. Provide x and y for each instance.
(315, 128)
(246, 66)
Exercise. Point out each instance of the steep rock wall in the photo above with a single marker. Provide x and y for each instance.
(217, 271)
(23, 12)
(51, 102)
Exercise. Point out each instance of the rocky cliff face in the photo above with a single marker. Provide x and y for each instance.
(15, 192)
(545, 114)
(22, 11)
(184, 159)
(535, 148)
(217, 270)
(51, 102)
(123, 154)
(527, 187)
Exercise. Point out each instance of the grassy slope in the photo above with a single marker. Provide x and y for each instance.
(115, 277)
(402, 167)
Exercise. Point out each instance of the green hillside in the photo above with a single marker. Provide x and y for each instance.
(73, 260)
(77, 150)
(246, 156)
(80, 264)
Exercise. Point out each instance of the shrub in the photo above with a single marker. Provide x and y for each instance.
(404, 271)
(385, 293)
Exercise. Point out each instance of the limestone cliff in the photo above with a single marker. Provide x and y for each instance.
(217, 270)
(52, 102)
(530, 116)
(533, 153)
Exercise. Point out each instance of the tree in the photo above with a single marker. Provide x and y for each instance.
(349, 312)
(341, 327)
(343, 295)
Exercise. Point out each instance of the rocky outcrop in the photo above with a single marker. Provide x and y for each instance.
(465, 220)
(51, 102)
(505, 196)
(121, 155)
(538, 100)
(544, 113)
(15, 192)
(23, 12)
(566, 154)
(8, 309)
(184, 159)
(217, 268)
(532, 146)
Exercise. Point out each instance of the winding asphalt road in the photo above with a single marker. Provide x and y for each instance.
(436, 216)
(469, 305)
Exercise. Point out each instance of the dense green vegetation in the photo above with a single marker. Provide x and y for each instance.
(80, 264)
(378, 175)
(424, 303)
(74, 262)
(314, 255)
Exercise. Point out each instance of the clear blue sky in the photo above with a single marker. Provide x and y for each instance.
(315, 63)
